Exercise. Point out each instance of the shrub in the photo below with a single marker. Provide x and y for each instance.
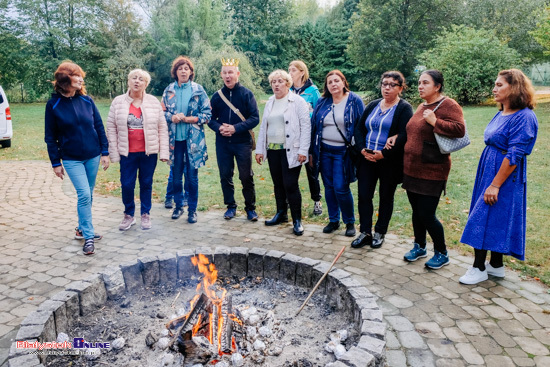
(470, 60)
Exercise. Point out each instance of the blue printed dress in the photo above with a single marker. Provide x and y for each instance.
(501, 227)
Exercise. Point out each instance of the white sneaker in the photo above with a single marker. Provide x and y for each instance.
(496, 272)
(473, 276)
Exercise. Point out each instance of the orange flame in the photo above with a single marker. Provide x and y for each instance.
(210, 276)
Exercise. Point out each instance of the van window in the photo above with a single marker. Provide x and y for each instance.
(1, 98)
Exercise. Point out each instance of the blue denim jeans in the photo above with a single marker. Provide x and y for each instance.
(170, 187)
(181, 167)
(142, 166)
(83, 175)
(337, 192)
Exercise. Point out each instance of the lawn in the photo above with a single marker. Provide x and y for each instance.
(28, 144)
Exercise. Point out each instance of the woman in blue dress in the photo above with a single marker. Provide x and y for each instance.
(497, 213)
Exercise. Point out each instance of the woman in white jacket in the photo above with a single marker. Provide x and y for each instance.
(284, 138)
(138, 136)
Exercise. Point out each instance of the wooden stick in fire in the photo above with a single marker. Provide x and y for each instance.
(321, 280)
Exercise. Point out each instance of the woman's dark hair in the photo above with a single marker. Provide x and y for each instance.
(437, 77)
(395, 75)
(62, 77)
(522, 93)
(326, 92)
(179, 61)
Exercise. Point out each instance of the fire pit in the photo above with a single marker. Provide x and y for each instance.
(173, 310)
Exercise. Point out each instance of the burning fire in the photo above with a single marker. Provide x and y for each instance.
(216, 318)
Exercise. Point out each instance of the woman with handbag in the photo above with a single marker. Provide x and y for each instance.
(283, 140)
(333, 123)
(496, 221)
(425, 168)
(383, 118)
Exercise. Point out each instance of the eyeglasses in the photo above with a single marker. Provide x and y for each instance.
(391, 85)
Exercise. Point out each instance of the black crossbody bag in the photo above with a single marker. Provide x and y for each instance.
(354, 154)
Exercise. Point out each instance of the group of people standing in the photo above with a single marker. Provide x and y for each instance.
(332, 134)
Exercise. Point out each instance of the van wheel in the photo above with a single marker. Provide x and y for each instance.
(6, 143)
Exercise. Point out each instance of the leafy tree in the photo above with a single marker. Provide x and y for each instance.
(542, 32)
(389, 34)
(470, 60)
(184, 27)
(511, 20)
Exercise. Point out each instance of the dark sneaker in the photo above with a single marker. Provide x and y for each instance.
(78, 235)
(317, 208)
(127, 222)
(168, 203)
(230, 213)
(350, 230)
(88, 247)
(416, 253)
(251, 215)
(438, 261)
(192, 217)
(377, 240)
(177, 213)
(331, 227)
(364, 239)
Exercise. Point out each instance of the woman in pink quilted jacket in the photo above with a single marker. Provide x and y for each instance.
(138, 137)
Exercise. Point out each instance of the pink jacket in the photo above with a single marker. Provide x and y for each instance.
(154, 127)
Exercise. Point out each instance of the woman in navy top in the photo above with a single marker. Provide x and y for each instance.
(384, 119)
(497, 213)
(74, 134)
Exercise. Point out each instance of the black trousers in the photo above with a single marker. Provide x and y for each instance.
(285, 183)
(227, 154)
(314, 185)
(424, 219)
(368, 174)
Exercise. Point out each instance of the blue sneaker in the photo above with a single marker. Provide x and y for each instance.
(416, 253)
(251, 215)
(438, 261)
(230, 213)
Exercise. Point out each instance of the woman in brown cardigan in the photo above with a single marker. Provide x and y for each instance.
(425, 169)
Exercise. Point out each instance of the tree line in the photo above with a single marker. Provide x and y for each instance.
(469, 40)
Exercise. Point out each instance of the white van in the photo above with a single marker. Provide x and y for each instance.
(6, 131)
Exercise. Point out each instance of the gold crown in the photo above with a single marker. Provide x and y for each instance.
(230, 62)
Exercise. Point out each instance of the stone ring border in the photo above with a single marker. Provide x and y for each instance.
(81, 297)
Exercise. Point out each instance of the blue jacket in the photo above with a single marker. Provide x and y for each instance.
(199, 106)
(311, 95)
(73, 129)
(352, 114)
(243, 99)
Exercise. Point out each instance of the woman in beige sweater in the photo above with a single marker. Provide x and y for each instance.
(138, 137)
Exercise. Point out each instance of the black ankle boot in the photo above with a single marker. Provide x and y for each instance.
(280, 217)
(298, 228)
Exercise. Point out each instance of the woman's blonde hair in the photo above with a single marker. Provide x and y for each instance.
(280, 73)
(142, 73)
(300, 65)
(522, 93)
(62, 77)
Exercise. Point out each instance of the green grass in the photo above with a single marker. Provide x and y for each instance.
(28, 143)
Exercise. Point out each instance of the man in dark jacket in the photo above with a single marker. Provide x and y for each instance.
(234, 138)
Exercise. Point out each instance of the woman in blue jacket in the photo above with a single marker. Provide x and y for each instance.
(304, 87)
(333, 123)
(74, 134)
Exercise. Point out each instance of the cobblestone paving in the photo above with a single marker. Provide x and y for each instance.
(432, 319)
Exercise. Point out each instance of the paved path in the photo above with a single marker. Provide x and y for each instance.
(432, 319)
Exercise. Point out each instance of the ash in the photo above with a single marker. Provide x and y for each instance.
(135, 327)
